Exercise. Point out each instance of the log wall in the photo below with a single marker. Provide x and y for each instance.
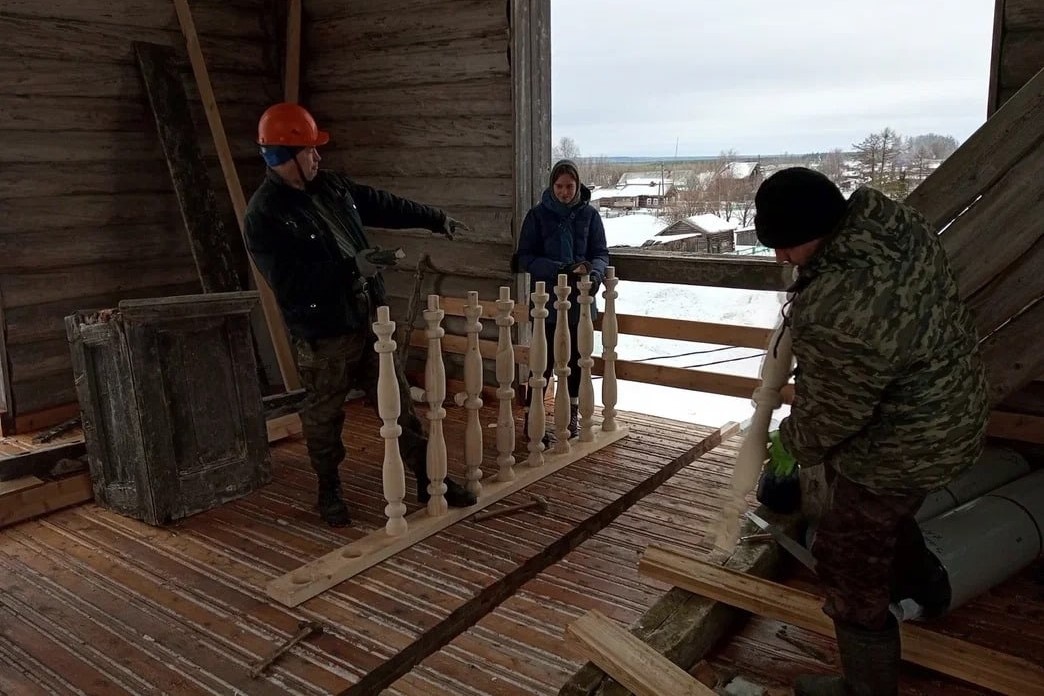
(88, 216)
(1018, 48)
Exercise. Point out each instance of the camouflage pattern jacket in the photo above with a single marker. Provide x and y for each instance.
(891, 389)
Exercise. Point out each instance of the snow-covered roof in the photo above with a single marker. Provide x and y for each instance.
(709, 223)
(630, 191)
(664, 239)
(739, 170)
(631, 230)
(644, 178)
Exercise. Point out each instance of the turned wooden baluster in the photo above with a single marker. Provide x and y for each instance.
(473, 388)
(776, 368)
(537, 365)
(435, 391)
(388, 407)
(562, 340)
(585, 344)
(506, 393)
(610, 333)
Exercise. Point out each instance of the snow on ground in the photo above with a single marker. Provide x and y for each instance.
(695, 303)
(631, 230)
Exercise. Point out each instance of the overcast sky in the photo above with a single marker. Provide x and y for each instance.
(629, 77)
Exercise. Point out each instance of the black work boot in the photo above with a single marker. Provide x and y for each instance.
(869, 664)
(456, 494)
(332, 509)
(574, 420)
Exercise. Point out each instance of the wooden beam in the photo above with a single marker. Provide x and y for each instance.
(208, 238)
(696, 331)
(469, 613)
(292, 77)
(283, 427)
(630, 661)
(276, 328)
(39, 462)
(1016, 426)
(38, 500)
(993, 92)
(1013, 353)
(950, 656)
(348, 561)
(986, 156)
(749, 273)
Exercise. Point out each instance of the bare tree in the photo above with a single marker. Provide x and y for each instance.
(833, 166)
(565, 149)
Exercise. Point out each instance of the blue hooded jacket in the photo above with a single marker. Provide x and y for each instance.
(556, 236)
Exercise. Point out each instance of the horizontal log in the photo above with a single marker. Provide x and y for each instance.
(1023, 15)
(1028, 400)
(448, 193)
(1015, 204)
(51, 393)
(1012, 354)
(32, 251)
(390, 161)
(399, 284)
(454, 306)
(85, 211)
(1016, 426)
(680, 378)
(212, 17)
(696, 331)
(394, 131)
(1022, 56)
(22, 289)
(750, 273)
(483, 96)
(41, 322)
(31, 362)
(107, 43)
(457, 257)
(983, 158)
(51, 496)
(458, 345)
(29, 146)
(37, 420)
(448, 62)
(437, 20)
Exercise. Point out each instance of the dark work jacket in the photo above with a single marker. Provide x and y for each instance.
(291, 242)
(555, 236)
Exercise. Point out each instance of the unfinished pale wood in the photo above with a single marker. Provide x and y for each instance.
(393, 475)
(38, 500)
(984, 157)
(283, 427)
(505, 392)
(537, 364)
(473, 391)
(610, 334)
(562, 352)
(585, 345)
(19, 484)
(435, 394)
(341, 564)
(273, 318)
(628, 660)
(951, 656)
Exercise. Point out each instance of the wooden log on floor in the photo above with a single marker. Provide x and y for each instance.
(682, 626)
(953, 657)
(38, 500)
(633, 663)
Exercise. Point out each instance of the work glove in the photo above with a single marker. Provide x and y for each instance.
(450, 227)
(372, 261)
(779, 488)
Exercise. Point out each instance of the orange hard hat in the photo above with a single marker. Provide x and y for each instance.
(291, 125)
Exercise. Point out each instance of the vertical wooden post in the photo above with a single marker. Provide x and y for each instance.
(276, 328)
(388, 406)
(473, 388)
(610, 333)
(585, 343)
(292, 78)
(537, 365)
(435, 389)
(562, 352)
(505, 392)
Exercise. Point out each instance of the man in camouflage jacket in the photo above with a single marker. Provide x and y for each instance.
(304, 230)
(890, 396)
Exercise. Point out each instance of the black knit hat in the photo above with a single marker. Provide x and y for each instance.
(795, 206)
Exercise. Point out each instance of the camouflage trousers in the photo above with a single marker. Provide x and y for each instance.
(330, 368)
(869, 551)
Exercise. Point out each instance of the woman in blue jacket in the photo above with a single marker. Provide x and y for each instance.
(564, 234)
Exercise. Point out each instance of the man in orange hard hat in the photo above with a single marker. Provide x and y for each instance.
(305, 231)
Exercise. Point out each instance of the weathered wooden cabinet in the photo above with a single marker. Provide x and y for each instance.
(171, 405)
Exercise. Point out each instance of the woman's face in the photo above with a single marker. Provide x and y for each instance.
(565, 187)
